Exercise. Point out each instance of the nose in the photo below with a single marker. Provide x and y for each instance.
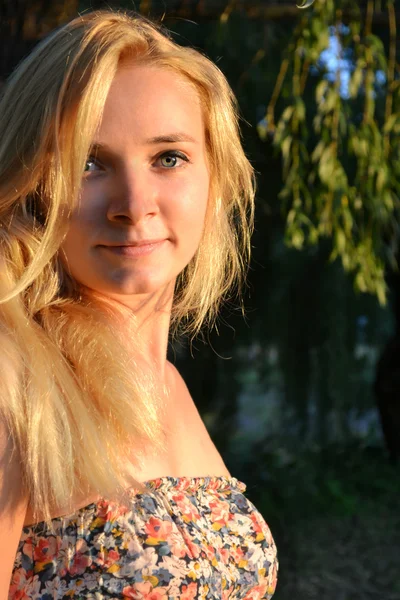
(133, 197)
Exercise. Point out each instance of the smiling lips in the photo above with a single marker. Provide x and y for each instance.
(134, 249)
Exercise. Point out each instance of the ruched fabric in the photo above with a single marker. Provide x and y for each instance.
(186, 538)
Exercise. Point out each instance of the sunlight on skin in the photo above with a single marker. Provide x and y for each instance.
(143, 198)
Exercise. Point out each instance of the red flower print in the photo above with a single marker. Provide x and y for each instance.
(110, 511)
(144, 591)
(108, 558)
(158, 529)
(256, 523)
(45, 551)
(79, 564)
(188, 591)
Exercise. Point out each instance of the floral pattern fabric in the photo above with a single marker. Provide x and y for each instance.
(186, 538)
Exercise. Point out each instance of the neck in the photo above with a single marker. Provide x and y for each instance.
(147, 318)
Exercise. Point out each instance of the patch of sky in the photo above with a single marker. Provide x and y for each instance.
(337, 61)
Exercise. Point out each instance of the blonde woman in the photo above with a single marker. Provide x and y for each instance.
(126, 206)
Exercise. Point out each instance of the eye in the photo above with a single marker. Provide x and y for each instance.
(171, 159)
(92, 165)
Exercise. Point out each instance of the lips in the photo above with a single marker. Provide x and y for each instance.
(134, 243)
(133, 249)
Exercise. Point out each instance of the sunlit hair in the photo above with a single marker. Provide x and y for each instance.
(71, 397)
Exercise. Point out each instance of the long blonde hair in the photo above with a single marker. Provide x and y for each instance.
(71, 397)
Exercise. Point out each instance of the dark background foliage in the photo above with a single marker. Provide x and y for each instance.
(301, 396)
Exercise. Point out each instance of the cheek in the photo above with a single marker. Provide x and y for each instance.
(190, 202)
(85, 215)
(80, 228)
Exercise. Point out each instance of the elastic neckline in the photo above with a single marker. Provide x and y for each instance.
(193, 484)
(166, 483)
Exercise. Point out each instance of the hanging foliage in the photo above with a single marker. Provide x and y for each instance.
(341, 156)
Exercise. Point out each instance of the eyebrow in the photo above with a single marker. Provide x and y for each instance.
(171, 138)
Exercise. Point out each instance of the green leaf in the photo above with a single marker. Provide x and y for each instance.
(381, 179)
(331, 101)
(318, 150)
(262, 130)
(340, 240)
(300, 109)
(321, 90)
(285, 147)
(381, 291)
(390, 123)
(297, 239)
(355, 82)
(360, 282)
(287, 113)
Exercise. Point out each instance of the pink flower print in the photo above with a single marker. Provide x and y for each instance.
(19, 582)
(193, 548)
(237, 553)
(45, 551)
(188, 591)
(256, 593)
(158, 530)
(178, 548)
(224, 553)
(144, 591)
(219, 512)
(226, 594)
(209, 551)
(80, 560)
(214, 483)
(262, 532)
(187, 509)
(79, 564)
(273, 579)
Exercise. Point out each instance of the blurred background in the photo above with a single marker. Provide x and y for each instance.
(302, 396)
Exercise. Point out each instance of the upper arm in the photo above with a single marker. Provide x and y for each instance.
(13, 505)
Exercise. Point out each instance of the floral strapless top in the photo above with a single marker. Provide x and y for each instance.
(186, 538)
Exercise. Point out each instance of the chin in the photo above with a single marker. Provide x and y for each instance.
(122, 290)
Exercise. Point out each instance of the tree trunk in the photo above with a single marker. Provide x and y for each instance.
(387, 382)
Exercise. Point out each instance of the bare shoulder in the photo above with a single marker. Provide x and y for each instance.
(196, 451)
(13, 505)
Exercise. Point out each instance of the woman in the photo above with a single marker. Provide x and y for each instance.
(126, 204)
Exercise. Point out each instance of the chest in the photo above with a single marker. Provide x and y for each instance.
(185, 539)
(189, 450)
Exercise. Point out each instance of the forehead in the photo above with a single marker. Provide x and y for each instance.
(148, 101)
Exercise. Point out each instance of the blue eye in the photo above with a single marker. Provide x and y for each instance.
(170, 160)
(91, 165)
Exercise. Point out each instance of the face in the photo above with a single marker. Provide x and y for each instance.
(145, 189)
